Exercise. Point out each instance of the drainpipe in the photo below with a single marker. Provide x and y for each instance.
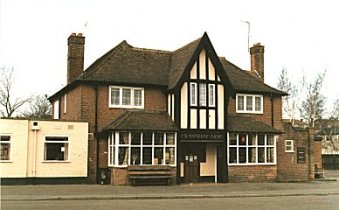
(272, 111)
(34, 153)
(96, 130)
(310, 131)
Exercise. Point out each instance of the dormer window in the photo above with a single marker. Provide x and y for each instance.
(247, 103)
(126, 97)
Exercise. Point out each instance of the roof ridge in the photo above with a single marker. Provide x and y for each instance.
(151, 50)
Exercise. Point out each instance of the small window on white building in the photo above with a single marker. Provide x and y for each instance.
(289, 147)
(211, 97)
(65, 103)
(56, 148)
(5, 143)
(202, 94)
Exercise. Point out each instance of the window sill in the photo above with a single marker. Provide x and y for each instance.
(248, 112)
(56, 161)
(252, 164)
(6, 161)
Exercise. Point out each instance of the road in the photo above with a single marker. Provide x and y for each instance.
(329, 202)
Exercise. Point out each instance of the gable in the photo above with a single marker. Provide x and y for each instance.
(196, 57)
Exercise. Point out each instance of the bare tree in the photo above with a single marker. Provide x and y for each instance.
(291, 102)
(312, 106)
(335, 110)
(6, 85)
(39, 108)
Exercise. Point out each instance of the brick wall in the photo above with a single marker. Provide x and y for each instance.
(288, 167)
(119, 176)
(254, 173)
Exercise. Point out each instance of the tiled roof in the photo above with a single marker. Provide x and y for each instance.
(245, 81)
(130, 65)
(142, 121)
(238, 123)
(333, 130)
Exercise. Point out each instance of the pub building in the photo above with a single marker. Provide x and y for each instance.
(189, 110)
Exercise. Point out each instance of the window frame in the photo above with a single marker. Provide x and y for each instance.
(247, 147)
(211, 96)
(9, 142)
(291, 145)
(193, 94)
(132, 98)
(114, 145)
(45, 142)
(252, 105)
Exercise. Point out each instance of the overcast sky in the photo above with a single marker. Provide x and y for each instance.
(301, 36)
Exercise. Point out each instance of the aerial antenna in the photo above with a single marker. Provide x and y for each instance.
(248, 33)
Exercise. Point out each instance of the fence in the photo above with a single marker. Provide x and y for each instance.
(330, 162)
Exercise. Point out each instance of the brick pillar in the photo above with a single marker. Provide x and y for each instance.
(257, 60)
(75, 57)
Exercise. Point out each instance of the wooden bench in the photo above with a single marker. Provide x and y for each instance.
(150, 174)
(318, 172)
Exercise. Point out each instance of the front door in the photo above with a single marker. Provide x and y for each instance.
(191, 169)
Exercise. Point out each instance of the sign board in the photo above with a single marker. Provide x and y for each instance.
(201, 136)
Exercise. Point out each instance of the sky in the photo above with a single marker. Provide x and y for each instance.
(301, 36)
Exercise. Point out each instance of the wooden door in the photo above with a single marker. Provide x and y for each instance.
(191, 170)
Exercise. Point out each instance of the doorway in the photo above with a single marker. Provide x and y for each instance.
(191, 168)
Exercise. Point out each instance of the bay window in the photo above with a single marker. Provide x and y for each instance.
(141, 148)
(251, 148)
(126, 97)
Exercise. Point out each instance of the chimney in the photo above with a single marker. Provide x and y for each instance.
(75, 57)
(257, 60)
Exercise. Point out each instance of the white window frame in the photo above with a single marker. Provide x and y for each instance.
(211, 96)
(203, 96)
(289, 143)
(114, 145)
(10, 147)
(132, 99)
(193, 94)
(253, 111)
(56, 110)
(44, 158)
(266, 146)
(65, 103)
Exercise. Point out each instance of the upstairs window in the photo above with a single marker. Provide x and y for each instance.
(249, 103)
(5, 143)
(202, 94)
(205, 91)
(126, 97)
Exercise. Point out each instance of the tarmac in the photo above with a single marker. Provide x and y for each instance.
(326, 187)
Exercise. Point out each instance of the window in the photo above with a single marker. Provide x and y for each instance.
(211, 93)
(5, 143)
(202, 94)
(65, 103)
(56, 148)
(193, 94)
(56, 110)
(126, 97)
(141, 148)
(249, 103)
(289, 146)
(301, 155)
(250, 148)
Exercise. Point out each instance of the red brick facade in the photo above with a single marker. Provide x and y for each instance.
(256, 173)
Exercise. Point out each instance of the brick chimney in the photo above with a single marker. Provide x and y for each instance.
(75, 57)
(257, 60)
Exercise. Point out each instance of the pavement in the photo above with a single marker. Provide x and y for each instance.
(183, 191)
